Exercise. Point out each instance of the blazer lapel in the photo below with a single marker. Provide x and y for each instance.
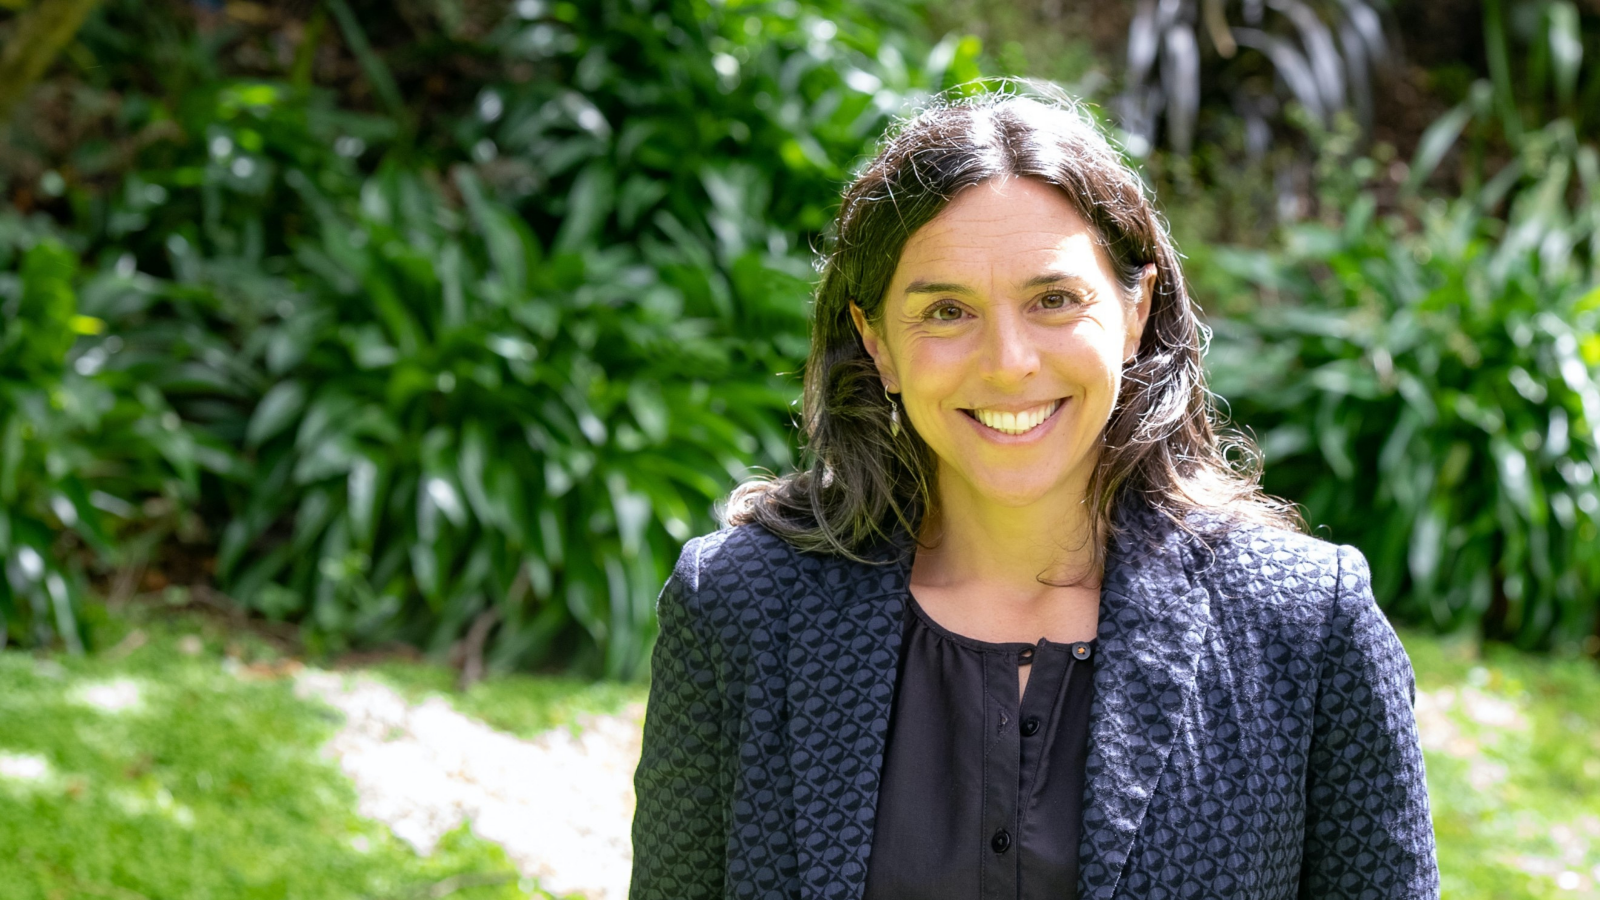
(844, 650)
(1153, 624)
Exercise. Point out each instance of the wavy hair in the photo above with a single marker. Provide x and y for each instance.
(859, 481)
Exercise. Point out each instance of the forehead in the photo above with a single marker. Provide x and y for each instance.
(1003, 227)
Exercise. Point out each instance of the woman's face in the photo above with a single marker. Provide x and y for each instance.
(1004, 331)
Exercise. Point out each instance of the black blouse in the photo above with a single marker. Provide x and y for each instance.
(980, 795)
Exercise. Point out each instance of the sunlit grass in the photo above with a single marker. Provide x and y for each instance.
(1513, 753)
(180, 764)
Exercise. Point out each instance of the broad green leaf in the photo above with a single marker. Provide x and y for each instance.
(362, 491)
(1436, 141)
(277, 409)
(649, 409)
(588, 205)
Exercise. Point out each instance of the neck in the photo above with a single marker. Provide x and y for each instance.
(1018, 550)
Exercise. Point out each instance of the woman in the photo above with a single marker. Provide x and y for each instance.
(1015, 476)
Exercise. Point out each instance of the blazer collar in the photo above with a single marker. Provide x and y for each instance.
(1154, 617)
(844, 652)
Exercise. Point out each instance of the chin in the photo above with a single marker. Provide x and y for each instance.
(1016, 493)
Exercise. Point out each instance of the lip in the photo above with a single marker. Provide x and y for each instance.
(1038, 432)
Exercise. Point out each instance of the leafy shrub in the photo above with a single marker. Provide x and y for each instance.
(622, 120)
(472, 425)
(37, 314)
(478, 404)
(1322, 56)
(1426, 381)
(76, 442)
(1431, 396)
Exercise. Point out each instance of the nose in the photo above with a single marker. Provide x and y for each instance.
(1011, 356)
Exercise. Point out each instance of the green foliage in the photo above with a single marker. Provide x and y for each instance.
(37, 315)
(471, 425)
(500, 391)
(1431, 396)
(210, 786)
(1425, 382)
(1535, 51)
(1270, 55)
(1526, 139)
(76, 441)
(731, 123)
(1054, 42)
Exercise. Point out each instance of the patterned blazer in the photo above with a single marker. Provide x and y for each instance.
(1251, 735)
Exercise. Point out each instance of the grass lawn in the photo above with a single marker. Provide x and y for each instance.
(1513, 755)
(179, 763)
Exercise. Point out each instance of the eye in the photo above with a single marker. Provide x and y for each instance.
(945, 312)
(1056, 300)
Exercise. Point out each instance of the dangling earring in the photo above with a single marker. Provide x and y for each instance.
(894, 413)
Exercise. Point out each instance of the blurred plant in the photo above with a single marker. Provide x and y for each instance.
(1551, 37)
(1425, 381)
(470, 431)
(480, 411)
(727, 125)
(1321, 55)
(1431, 395)
(1068, 43)
(38, 317)
(80, 446)
(38, 34)
(1541, 177)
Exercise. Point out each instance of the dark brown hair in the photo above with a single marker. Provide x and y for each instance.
(860, 481)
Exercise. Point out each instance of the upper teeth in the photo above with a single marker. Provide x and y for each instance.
(1016, 423)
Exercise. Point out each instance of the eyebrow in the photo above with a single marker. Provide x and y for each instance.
(949, 287)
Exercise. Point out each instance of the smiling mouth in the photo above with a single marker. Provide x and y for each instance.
(1015, 422)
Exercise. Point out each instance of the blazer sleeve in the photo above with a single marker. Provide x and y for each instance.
(1368, 829)
(679, 825)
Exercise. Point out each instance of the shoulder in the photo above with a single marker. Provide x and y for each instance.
(718, 577)
(735, 567)
(1260, 551)
(1265, 571)
(733, 556)
(752, 574)
(1285, 599)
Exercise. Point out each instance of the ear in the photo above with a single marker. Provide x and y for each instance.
(875, 349)
(1141, 311)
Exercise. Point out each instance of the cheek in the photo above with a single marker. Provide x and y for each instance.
(1090, 354)
(932, 384)
(925, 363)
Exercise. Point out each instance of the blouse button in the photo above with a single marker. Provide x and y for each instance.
(1081, 651)
(1001, 841)
(1030, 726)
